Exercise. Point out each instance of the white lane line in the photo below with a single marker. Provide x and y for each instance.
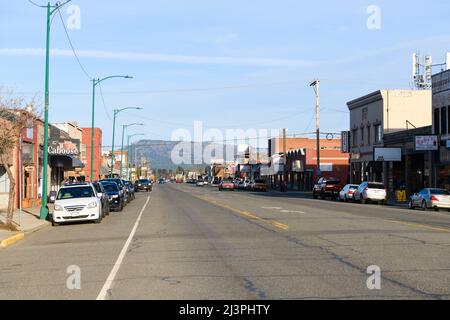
(109, 281)
(282, 210)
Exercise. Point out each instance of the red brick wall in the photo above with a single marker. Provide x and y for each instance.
(297, 143)
(339, 160)
(86, 139)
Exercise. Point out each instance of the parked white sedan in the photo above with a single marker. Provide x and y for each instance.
(77, 202)
(430, 198)
(370, 191)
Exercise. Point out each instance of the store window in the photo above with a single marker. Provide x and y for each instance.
(355, 137)
(369, 135)
(4, 180)
(362, 136)
(444, 120)
(436, 122)
(448, 120)
(378, 133)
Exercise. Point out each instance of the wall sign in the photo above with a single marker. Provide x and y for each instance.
(64, 147)
(426, 143)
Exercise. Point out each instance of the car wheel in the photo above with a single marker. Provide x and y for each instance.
(99, 220)
(55, 224)
(314, 195)
(424, 206)
(411, 205)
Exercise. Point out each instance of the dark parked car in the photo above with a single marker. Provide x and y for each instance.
(115, 196)
(327, 187)
(131, 189)
(101, 194)
(143, 185)
(120, 183)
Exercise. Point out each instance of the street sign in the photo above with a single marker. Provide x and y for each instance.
(345, 141)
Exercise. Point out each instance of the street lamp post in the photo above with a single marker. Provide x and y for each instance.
(129, 150)
(123, 134)
(50, 11)
(116, 112)
(315, 84)
(96, 82)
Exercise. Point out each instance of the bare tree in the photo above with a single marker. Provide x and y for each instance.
(15, 115)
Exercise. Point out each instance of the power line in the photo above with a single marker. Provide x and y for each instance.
(71, 46)
(201, 89)
(103, 101)
(37, 5)
(222, 126)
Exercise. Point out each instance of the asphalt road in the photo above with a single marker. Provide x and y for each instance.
(187, 242)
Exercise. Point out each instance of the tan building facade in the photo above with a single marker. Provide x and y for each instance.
(379, 113)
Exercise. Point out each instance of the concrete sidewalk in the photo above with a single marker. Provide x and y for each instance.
(27, 222)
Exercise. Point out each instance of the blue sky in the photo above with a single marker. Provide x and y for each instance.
(275, 47)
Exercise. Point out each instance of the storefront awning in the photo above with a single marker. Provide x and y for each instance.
(66, 162)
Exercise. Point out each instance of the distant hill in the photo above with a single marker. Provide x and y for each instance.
(158, 153)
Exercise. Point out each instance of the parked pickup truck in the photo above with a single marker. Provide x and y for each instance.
(327, 187)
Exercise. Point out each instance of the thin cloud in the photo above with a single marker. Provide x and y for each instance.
(131, 56)
(208, 60)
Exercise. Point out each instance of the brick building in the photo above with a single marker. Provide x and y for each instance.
(300, 172)
(98, 159)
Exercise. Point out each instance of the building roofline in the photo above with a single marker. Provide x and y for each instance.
(364, 100)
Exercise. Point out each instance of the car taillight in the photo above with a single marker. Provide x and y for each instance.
(350, 192)
(433, 198)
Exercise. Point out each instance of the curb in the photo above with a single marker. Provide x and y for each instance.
(11, 240)
(20, 236)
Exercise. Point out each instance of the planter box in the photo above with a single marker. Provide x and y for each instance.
(26, 203)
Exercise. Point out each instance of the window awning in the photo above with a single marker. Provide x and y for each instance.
(66, 162)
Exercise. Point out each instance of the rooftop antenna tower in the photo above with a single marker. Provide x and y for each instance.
(423, 72)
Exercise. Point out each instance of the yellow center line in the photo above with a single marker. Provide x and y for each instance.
(418, 225)
(247, 214)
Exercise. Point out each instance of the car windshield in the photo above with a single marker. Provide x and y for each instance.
(375, 186)
(75, 192)
(110, 187)
(113, 180)
(332, 182)
(97, 187)
(354, 187)
(144, 181)
(439, 192)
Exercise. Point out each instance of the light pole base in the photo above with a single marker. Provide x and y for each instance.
(43, 213)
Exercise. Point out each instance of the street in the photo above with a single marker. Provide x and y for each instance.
(198, 243)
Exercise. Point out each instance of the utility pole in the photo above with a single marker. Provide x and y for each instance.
(96, 82)
(50, 10)
(116, 112)
(122, 150)
(135, 164)
(284, 159)
(316, 84)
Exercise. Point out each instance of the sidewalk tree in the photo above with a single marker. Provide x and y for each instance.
(15, 115)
